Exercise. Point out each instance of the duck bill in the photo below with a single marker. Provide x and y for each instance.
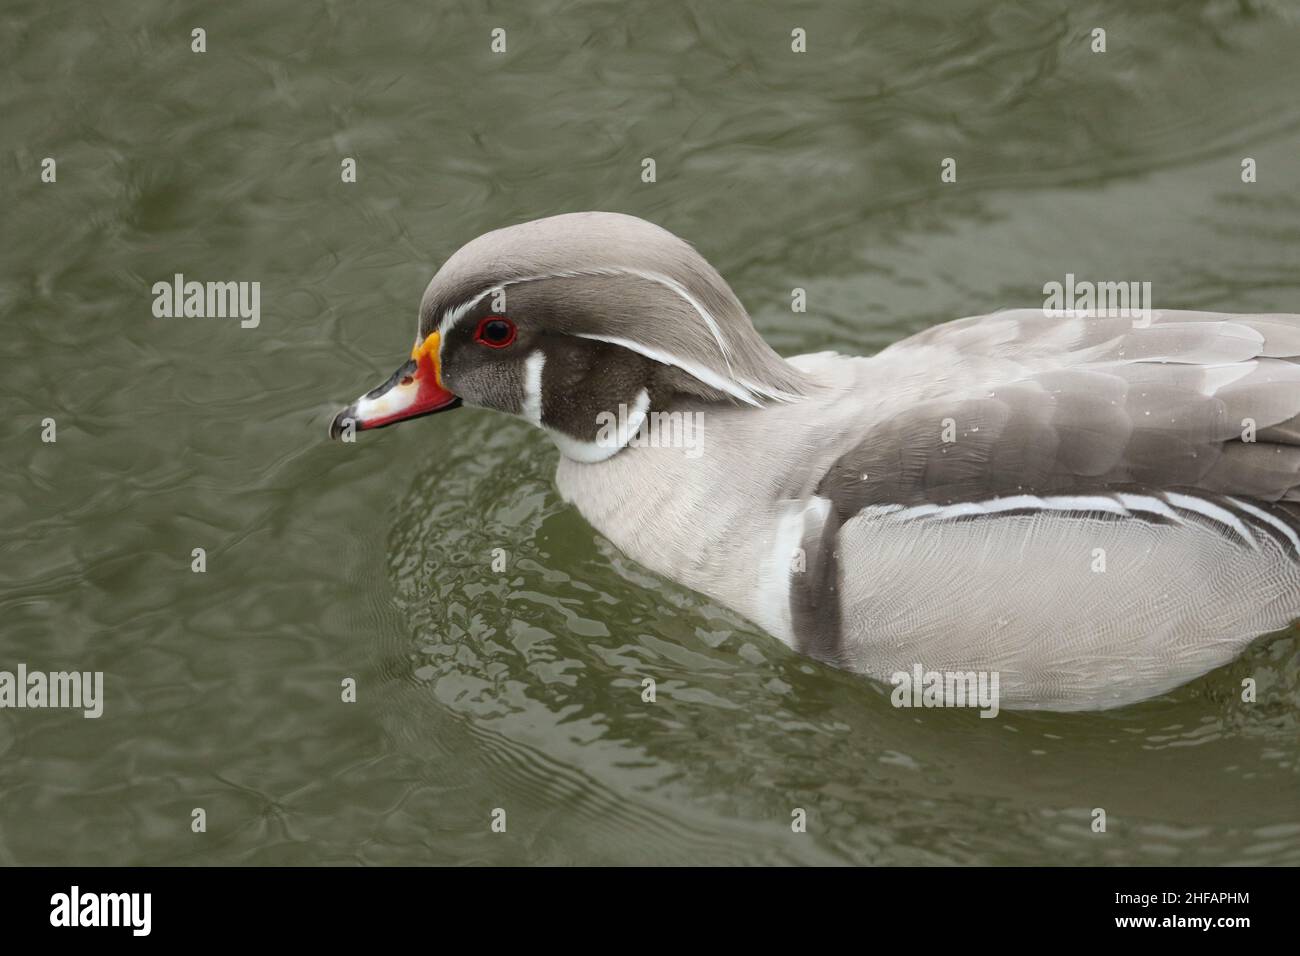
(414, 390)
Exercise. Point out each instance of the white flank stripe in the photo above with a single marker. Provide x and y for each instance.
(919, 511)
(1086, 503)
(1264, 516)
(1076, 503)
(965, 508)
(1015, 503)
(1148, 503)
(1126, 505)
(1213, 512)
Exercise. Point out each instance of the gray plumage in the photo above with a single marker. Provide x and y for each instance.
(1098, 509)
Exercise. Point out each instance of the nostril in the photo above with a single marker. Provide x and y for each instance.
(407, 380)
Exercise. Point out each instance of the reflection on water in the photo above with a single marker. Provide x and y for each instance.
(544, 662)
(522, 689)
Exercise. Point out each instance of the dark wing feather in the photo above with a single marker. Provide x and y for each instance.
(1022, 403)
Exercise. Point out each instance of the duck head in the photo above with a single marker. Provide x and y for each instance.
(562, 319)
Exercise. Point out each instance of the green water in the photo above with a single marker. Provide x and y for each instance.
(522, 691)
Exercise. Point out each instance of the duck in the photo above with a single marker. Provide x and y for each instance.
(1095, 509)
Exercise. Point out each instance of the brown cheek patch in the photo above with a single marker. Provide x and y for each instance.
(582, 378)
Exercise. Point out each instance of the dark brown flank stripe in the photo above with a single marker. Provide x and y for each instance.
(815, 596)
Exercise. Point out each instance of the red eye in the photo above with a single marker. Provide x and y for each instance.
(495, 332)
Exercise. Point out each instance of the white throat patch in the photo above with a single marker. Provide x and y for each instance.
(623, 429)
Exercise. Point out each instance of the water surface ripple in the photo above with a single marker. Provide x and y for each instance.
(522, 689)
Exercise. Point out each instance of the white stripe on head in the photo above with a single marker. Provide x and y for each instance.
(723, 384)
(532, 404)
(458, 312)
(738, 388)
(700, 310)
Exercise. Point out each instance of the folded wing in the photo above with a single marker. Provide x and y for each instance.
(1096, 509)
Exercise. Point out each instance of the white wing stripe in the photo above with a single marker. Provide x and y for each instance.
(1124, 504)
(1147, 503)
(1213, 512)
(1081, 503)
(1267, 518)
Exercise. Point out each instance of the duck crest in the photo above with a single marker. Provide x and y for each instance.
(620, 280)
